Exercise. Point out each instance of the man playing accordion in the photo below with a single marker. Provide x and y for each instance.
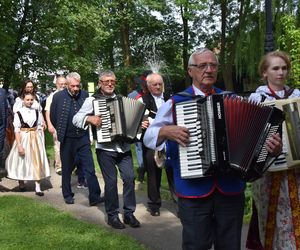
(210, 208)
(110, 155)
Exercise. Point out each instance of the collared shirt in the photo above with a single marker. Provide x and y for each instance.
(79, 120)
(163, 117)
(159, 100)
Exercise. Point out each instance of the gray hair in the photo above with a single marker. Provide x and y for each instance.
(149, 77)
(73, 75)
(106, 73)
(200, 51)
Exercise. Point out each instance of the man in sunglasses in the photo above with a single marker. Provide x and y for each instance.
(111, 155)
(210, 208)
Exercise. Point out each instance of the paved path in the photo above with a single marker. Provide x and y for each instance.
(159, 233)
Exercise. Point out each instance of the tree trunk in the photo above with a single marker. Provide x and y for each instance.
(17, 51)
(183, 10)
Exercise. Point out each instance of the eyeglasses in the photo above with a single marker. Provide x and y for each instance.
(109, 81)
(204, 66)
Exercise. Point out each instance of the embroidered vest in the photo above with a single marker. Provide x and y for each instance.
(198, 187)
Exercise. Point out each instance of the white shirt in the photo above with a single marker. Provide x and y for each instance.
(19, 104)
(29, 117)
(79, 120)
(163, 117)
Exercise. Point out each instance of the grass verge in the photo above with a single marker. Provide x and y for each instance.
(28, 224)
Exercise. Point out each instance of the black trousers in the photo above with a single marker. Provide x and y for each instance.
(214, 220)
(109, 161)
(81, 148)
(153, 179)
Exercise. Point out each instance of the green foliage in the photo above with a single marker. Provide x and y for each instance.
(29, 224)
(289, 41)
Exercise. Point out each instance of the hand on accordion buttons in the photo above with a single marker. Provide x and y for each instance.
(176, 133)
(94, 120)
(274, 144)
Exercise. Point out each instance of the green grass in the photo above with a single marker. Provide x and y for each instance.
(28, 224)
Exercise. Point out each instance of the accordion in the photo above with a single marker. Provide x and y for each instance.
(227, 135)
(290, 157)
(121, 118)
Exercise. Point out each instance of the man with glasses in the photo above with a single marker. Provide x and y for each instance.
(74, 142)
(211, 208)
(111, 155)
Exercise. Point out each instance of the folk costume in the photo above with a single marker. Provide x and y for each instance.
(34, 164)
(203, 202)
(277, 194)
(74, 142)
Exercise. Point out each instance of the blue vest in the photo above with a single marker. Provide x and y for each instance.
(199, 187)
(63, 108)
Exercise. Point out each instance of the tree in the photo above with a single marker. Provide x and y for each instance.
(289, 41)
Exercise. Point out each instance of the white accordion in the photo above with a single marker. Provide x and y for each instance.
(121, 118)
(290, 157)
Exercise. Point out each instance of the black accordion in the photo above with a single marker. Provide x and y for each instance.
(121, 118)
(227, 136)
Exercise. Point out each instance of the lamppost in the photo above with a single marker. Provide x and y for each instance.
(269, 41)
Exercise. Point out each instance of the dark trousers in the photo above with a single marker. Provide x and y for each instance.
(153, 179)
(69, 150)
(214, 220)
(109, 161)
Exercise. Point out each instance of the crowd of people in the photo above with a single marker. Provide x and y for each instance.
(210, 208)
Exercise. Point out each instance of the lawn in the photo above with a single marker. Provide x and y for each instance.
(28, 224)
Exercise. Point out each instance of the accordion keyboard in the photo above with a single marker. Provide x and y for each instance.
(107, 114)
(193, 158)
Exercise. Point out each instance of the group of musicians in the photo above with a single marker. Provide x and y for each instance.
(210, 209)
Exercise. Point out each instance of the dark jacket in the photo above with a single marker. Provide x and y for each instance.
(63, 108)
(3, 118)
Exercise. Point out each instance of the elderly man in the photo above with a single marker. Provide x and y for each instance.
(60, 85)
(3, 119)
(74, 142)
(211, 208)
(153, 100)
(111, 155)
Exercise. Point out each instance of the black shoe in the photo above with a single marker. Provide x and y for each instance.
(115, 222)
(69, 200)
(131, 221)
(95, 203)
(153, 212)
(39, 193)
(22, 189)
(3, 172)
(141, 173)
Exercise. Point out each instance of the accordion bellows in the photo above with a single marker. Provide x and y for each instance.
(121, 118)
(227, 136)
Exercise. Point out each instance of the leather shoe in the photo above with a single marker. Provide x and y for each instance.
(39, 193)
(153, 212)
(115, 222)
(22, 189)
(69, 200)
(95, 203)
(131, 220)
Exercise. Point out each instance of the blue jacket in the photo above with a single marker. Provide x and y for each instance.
(62, 112)
(199, 187)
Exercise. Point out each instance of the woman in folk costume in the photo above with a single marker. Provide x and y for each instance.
(276, 196)
(27, 159)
